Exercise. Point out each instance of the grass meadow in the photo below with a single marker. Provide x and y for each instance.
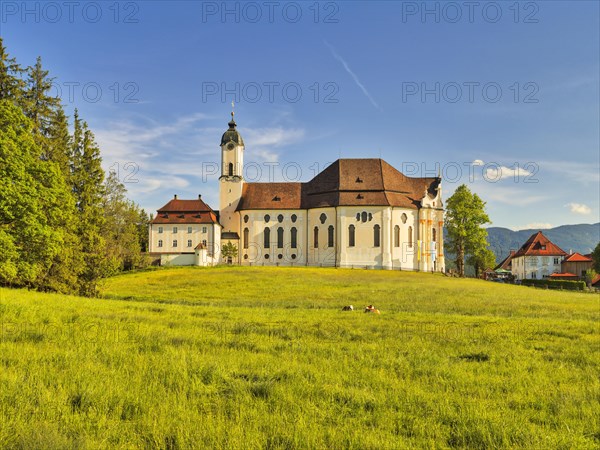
(234, 357)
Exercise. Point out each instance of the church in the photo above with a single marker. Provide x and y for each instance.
(360, 213)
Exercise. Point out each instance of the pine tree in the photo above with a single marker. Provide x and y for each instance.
(12, 87)
(58, 145)
(40, 107)
(87, 180)
(465, 215)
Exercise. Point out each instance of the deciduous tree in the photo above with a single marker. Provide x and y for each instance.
(465, 217)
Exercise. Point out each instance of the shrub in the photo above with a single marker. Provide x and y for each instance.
(556, 284)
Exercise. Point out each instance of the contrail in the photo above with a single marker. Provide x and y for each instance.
(352, 74)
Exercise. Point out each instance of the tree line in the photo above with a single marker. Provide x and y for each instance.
(64, 224)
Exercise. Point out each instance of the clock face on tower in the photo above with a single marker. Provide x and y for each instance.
(230, 146)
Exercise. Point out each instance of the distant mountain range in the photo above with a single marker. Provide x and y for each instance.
(581, 238)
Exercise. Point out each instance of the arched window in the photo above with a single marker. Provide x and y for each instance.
(246, 237)
(294, 237)
(316, 237)
(330, 236)
(410, 237)
(267, 237)
(246, 218)
(323, 218)
(396, 236)
(279, 237)
(403, 218)
(294, 218)
(376, 236)
(351, 236)
(230, 169)
(280, 218)
(433, 234)
(364, 216)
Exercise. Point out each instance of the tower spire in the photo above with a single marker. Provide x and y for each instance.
(232, 124)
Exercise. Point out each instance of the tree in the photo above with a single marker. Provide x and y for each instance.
(12, 86)
(589, 277)
(32, 196)
(87, 182)
(229, 250)
(481, 260)
(121, 229)
(58, 143)
(40, 107)
(596, 258)
(465, 215)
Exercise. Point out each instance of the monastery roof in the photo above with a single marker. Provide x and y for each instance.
(346, 182)
(539, 245)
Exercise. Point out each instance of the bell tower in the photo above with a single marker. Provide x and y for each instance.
(231, 179)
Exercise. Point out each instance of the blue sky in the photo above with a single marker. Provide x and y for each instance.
(502, 96)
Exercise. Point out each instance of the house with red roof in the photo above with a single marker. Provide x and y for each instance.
(577, 264)
(538, 258)
(185, 232)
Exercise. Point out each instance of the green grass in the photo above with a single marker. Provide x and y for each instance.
(237, 357)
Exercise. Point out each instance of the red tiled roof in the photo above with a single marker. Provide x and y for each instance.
(176, 205)
(539, 245)
(563, 275)
(577, 257)
(346, 182)
(183, 218)
(185, 211)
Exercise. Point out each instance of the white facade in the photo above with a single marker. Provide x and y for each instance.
(388, 238)
(535, 267)
(176, 244)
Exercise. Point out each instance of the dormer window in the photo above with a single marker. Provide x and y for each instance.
(359, 180)
(276, 198)
(359, 196)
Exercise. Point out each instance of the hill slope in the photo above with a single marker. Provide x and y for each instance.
(236, 357)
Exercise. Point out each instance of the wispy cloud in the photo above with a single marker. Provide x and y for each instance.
(352, 74)
(498, 173)
(157, 160)
(495, 172)
(579, 208)
(579, 172)
(513, 195)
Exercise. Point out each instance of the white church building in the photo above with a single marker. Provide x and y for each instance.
(355, 213)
